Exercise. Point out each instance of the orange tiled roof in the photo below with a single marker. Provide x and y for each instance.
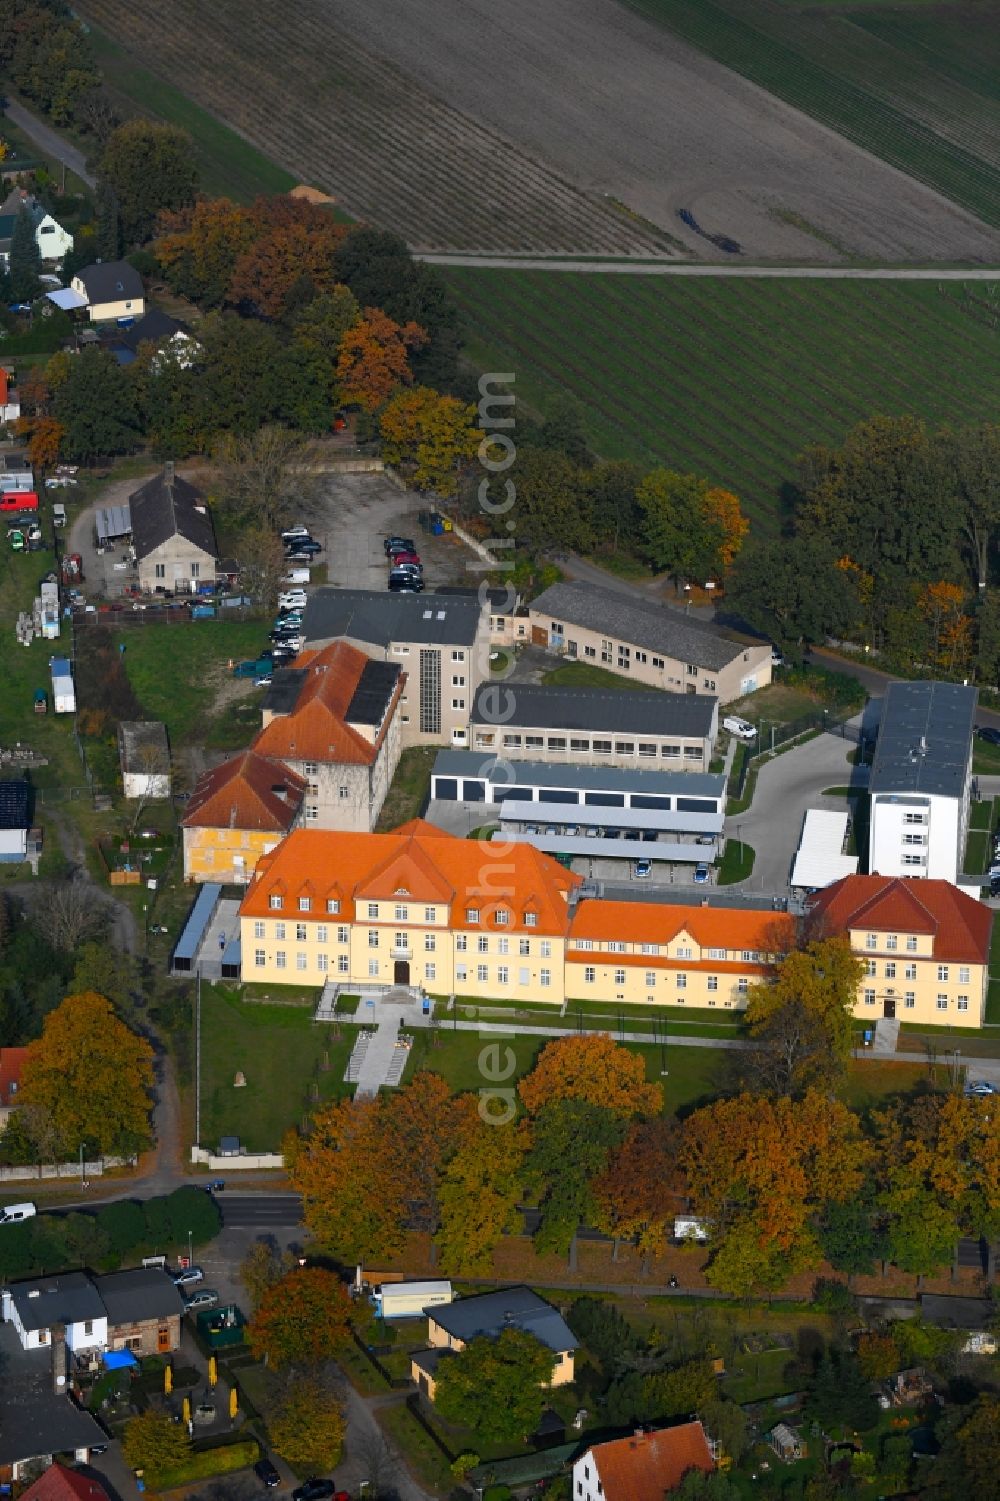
(317, 728)
(645, 1465)
(959, 925)
(11, 1063)
(416, 867)
(240, 794)
(661, 922)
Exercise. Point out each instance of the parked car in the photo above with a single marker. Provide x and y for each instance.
(406, 559)
(980, 1088)
(293, 533)
(988, 733)
(265, 1471)
(263, 682)
(314, 1489)
(293, 599)
(297, 576)
(402, 582)
(741, 728)
(399, 544)
(700, 874)
(58, 514)
(188, 1276)
(643, 870)
(304, 547)
(205, 1297)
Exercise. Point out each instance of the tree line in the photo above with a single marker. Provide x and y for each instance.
(890, 542)
(785, 1175)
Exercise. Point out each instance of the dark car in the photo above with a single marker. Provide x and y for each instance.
(264, 1470)
(399, 544)
(314, 1490)
(405, 582)
(987, 733)
(304, 545)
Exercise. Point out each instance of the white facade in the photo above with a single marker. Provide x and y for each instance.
(52, 240)
(914, 835)
(87, 1334)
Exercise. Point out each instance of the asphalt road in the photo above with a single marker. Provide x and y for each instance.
(259, 1210)
(49, 141)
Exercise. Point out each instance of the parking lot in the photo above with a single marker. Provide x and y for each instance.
(352, 517)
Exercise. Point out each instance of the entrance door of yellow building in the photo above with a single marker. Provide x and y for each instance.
(889, 1009)
(402, 973)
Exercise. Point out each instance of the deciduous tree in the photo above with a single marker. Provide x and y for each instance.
(45, 437)
(350, 1204)
(479, 1195)
(199, 246)
(637, 1194)
(594, 1069)
(284, 262)
(91, 1076)
(261, 477)
(430, 436)
(262, 1268)
(792, 590)
(71, 913)
(96, 408)
(148, 167)
(374, 358)
(802, 1018)
(154, 1442)
(301, 1320)
(495, 1386)
(570, 1143)
(307, 1428)
(318, 330)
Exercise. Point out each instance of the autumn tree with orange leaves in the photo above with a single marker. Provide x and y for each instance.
(942, 607)
(44, 436)
(287, 260)
(301, 1320)
(374, 358)
(430, 436)
(641, 1188)
(760, 1170)
(726, 522)
(200, 246)
(350, 1204)
(594, 1069)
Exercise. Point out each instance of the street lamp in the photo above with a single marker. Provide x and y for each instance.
(190, 1250)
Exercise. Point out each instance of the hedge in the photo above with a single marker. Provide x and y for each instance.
(203, 1463)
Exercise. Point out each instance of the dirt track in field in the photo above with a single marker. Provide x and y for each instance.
(527, 120)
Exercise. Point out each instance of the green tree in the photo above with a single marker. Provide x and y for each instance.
(840, 1395)
(570, 1143)
(496, 1387)
(110, 243)
(243, 376)
(192, 1212)
(478, 1196)
(791, 590)
(552, 500)
(703, 1485)
(154, 1442)
(802, 1018)
(975, 456)
(307, 1427)
(614, 508)
(988, 638)
(262, 1268)
(853, 1234)
(380, 271)
(106, 970)
(147, 167)
(727, 1424)
(317, 332)
(124, 1225)
(25, 260)
(97, 408)
(682, 1390)
(676, 536)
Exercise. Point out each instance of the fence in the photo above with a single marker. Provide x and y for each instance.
(22, 1172)
(784, 735)
(242, 1162)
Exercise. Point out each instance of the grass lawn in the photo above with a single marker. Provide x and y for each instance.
(410, 787)
(421, 1451)
(228, 164)
(280, 1050)
(818, 355)
(736, 863)
(586, 675)
(985, 757)
(173, 670)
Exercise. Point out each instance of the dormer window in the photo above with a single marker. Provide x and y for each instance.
(531, 919)
(276, 902)
(305, 902)
(502, 917)
(472, 914)
(332, 904)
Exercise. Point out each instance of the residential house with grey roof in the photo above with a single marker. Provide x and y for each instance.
(144, 1310)
(172, 534)
(113, 290)
(452, 1326)
(52, 240)
(441, 642)
(921, 781)
(39, 1417)
(595, 726)
(648, 643)
(68, 1305)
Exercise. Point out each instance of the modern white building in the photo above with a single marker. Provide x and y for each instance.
(921, 781)
(67, 1302)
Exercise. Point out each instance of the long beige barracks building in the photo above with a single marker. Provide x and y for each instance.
(419, 907)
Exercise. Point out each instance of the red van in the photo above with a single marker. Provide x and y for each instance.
(19, 500)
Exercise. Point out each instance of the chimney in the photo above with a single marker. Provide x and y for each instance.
(57, 1334)
(168, 472)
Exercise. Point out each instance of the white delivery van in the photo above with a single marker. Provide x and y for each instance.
(13, 1214)
(741, 728)
(688, 1227)
(58, 514)
(407, 1300)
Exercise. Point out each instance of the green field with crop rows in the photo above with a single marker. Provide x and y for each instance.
(734, 377)
(919, 86)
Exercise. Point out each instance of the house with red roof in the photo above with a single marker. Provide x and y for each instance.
(60, 1483)
(237, 812)
(925, 946)
(11, 1063)
(642, 1467)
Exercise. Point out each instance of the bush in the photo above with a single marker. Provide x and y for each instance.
(192, 1209)
(222, 1460)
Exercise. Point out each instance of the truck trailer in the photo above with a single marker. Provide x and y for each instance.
(407, 1300)
(63, 689)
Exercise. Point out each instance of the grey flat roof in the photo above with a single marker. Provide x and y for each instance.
(138, 1294)
(924, 739)
(642, 623)
(365, 615)
(452, 763)
(613, 849)
(510, 705)
(513, 810)
(197, 922)
(69, 1298)
(511, 1307)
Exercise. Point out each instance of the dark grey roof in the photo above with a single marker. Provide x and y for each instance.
(167, 506)
(652, 713)
(34, 1419)
(141, 1293)
(372, 696)
(110, 281)
(957, 1313)
(511, 1307)
(650, 626)
(135, 735)
(924, 739)
(151, 328)
(454, 763)
(283, 694)
(14, 804)
(69, 1298)
(380, 619)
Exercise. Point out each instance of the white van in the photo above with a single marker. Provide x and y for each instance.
(687, 1227)
(741, 728)
(13, 1214)
(58, 514)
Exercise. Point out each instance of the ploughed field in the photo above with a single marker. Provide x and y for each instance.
(732, 378)
(575, 126)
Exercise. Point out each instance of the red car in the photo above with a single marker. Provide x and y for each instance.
(399, 558)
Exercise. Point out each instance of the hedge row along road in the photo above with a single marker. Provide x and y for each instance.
(526, 128)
